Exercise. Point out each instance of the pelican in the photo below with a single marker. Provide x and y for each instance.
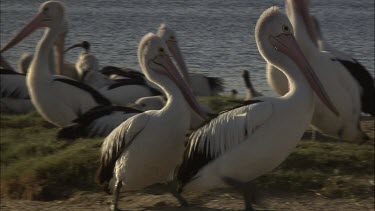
(202, 85)
(339, 84)
(146, 148)
(250, 92)
(358, 71)
(248, 141)
(58, 99)
(119, 92)
(15, 97)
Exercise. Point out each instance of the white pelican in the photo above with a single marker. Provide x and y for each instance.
(146, 148)
(119, 92)
(339, 84)
(202, 85)
(15, 97)
(246, 142)
(58, 99)
(250, 92)
(357, 70)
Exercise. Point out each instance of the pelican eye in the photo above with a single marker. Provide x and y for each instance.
(161, 50)
(172, 38)
(286, 29)
(45, 10)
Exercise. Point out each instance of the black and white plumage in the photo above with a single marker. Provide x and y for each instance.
(201, 85)
(146, 148)
(252, 139)
(58, 99)
(356, 69)
(342, 88)
(121, 91)
(97, 122)
(250, 90)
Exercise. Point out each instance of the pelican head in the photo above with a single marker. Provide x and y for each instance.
(276, 43)
(51, 15)
(170, 38)
(299, 9)
(154, 59)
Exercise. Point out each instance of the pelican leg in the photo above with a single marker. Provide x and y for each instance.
(116, 195)
(246, 188)
(172, 185)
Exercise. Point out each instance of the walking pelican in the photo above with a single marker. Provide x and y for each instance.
(248, 141)
(146, 148)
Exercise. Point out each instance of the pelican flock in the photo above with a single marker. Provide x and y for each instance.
(153, 127)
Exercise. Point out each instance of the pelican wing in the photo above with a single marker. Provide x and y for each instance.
(99, 121)
(99, 99)
(13, 84)
(118, 141)
(222, 134)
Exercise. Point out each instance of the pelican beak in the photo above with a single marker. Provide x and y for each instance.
(177, 55)
(287, 44)
(303, 9)
(164, 61)
(34, 24)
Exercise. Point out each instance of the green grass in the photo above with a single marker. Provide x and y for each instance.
(34, 165)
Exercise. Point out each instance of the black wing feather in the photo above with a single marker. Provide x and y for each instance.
(100, 99)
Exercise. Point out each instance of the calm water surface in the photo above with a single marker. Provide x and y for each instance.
(216, 36)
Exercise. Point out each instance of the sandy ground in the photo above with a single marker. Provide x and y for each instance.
(217, 201)
(157, 199)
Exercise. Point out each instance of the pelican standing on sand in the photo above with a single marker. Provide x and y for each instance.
(250, 91)
(202, 85)
(146, 148)
(248, 141)
(339, 84)
(58, 99)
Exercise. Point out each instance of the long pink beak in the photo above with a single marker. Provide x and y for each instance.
(301, 7)
(176, 53)
(34, 24)
(287, 44)
(173, 74)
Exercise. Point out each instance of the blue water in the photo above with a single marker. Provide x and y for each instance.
(216, 36)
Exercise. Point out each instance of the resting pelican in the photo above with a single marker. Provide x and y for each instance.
(358, 71)
(250, 92)
(119, 92)
(248, 141)
(58, 99)
(15, 97)
(339, 84)
(146, 148)
(202, 85)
